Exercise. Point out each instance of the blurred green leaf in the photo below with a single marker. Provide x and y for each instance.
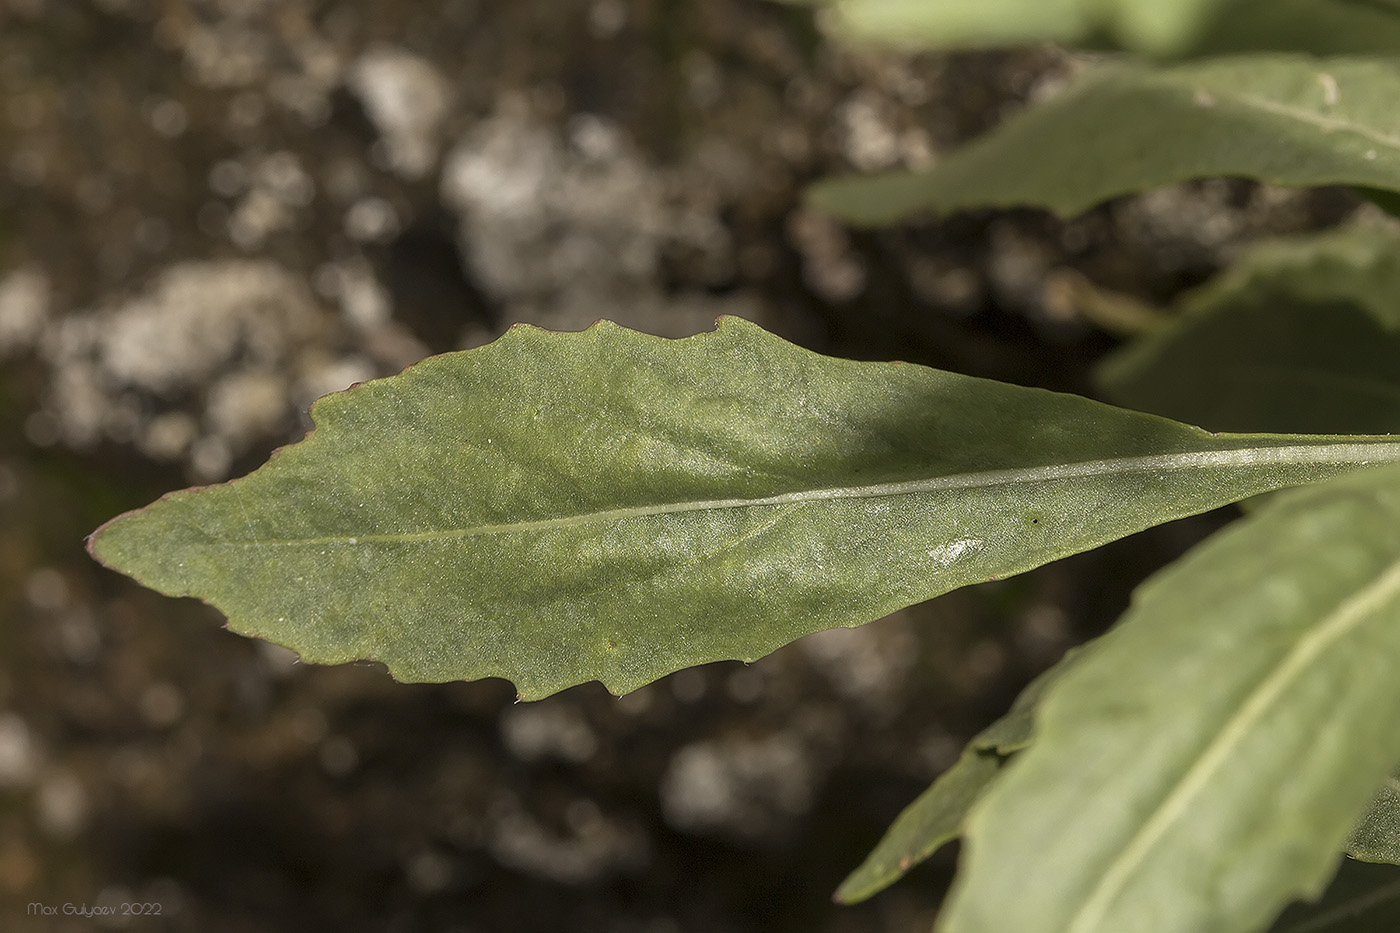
(1206, 763)
(935, 818)
(557, 508)
(1299, 335)
(1165, 28)
(1287, 120)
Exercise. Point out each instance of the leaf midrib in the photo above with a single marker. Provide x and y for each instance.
(1350, 615)
(1327, 124)
(1318, 453)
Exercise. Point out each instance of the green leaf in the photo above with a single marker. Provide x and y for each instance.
(932, 821)
(935, 818)
(1206, 763)
(1286, 120)
(1300, 335)
(1376, 836)
(557, 508)
(1362, 898)
(1164, 28)
(969, 23)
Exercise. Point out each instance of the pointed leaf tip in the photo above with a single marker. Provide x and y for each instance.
(607, 505)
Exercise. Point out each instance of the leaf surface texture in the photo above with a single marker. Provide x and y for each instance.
(558, 508)
(1207, 761)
